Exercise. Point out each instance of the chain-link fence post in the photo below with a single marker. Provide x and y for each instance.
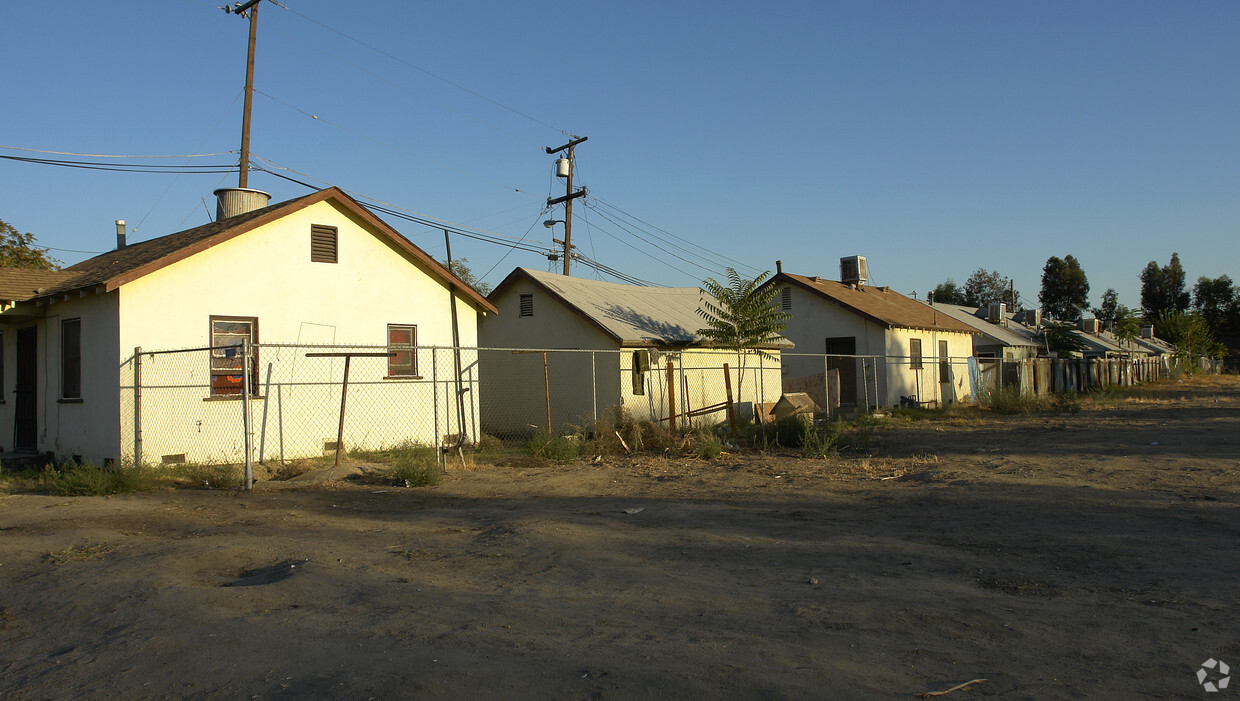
(137, 406)
(245, 411)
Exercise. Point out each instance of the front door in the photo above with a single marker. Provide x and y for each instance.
(847, 366)
(946, 389)
(26, 401)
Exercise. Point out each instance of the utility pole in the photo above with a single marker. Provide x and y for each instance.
(240, 10)
(568, 197)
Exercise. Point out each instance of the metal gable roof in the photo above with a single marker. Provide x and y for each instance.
(632, 315)
(1013, 334)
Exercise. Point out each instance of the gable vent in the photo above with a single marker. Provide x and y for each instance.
(322, 244)
(786, 299)
(527, 305)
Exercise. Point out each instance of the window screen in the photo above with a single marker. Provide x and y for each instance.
(402, 342)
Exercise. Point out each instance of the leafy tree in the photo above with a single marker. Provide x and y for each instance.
(1110, 305)
(1065, 290)
(947, 293)
(1190, 334)
(984, 287)
(744, 317)
(461, 270)
(17, 250)
(1217, 301)
(1127, 325)
(1061, 338)
(1162, 288)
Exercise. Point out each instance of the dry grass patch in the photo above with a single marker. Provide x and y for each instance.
(90, 551)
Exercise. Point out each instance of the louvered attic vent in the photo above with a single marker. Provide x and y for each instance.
(322, 244)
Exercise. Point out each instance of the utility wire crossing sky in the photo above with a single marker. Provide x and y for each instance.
(933, 138)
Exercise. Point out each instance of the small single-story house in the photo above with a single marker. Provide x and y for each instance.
(613, 344)
(317, 269)
(885, 345)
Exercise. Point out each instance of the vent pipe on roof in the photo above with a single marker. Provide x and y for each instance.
(779, 267)
(120, 234)
(234, 201)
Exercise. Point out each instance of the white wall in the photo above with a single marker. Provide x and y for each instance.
(581, 385)
(267, 273)
(89, 428)
(886, 379)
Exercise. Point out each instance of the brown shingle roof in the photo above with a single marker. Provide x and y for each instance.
(116, 268)
(878, 304)
(18, 285)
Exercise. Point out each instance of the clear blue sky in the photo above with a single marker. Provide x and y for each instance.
(934, 138)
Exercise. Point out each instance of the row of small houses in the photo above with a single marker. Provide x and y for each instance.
(322, 269)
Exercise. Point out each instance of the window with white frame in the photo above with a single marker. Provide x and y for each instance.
(228, 336)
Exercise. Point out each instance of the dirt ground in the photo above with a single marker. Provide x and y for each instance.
(1055, 556)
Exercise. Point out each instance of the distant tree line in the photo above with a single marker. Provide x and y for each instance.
(1192, 319)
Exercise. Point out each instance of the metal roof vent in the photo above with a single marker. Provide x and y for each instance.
(232, 201)
(853, 270)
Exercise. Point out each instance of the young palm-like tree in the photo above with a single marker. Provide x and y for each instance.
(742, 316)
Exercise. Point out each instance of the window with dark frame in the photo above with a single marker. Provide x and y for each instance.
(402, 343)
(1, 365)
(323, 244)
(527, 305)
(914, 351)
(641, 365)
(71, 359)
(945, 363)
(227, 364)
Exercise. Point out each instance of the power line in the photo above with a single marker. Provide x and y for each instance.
(125, 167)
(647, 253)
(108, 155)
(385, 144)
(651, 229)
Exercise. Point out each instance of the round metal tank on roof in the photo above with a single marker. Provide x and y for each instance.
(232, 201)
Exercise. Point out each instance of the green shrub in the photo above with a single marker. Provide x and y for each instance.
(813, 438)
(706, 445)
(555, 448)
(210, 476)
(414, 465)
(88, 480)
(618, 424)
(1009, 400)
(1065, 403)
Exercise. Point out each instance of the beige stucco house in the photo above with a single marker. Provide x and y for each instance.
(614, 345)
(320, 268)
(885, 344)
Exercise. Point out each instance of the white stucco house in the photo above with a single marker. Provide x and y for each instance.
(614, 345)
(885, 344)
(320, 268)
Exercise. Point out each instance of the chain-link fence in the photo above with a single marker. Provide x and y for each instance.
(309, 401)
